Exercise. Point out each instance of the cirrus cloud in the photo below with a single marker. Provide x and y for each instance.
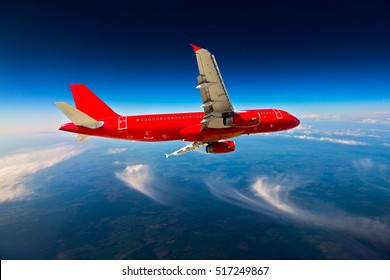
(370, 121)
(18, 169)
(333, 140)
(113, 151)
(273, 196)
(310, 116)
(367, 164)
(139, 177)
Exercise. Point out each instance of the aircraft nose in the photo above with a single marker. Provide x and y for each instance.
(294, 121)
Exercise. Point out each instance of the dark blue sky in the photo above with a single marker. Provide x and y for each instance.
(136, 52)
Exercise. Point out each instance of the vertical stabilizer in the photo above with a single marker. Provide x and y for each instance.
(87, 102)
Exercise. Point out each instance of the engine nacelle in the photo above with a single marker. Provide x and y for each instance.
(242, 119)
(220, 147)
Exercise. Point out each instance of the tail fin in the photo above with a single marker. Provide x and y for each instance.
(78, 117)
(87, 102)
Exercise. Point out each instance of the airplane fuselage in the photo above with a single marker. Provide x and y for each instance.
(183, 126)
(210, 129)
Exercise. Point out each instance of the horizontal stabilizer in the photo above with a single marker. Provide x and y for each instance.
(78, 117)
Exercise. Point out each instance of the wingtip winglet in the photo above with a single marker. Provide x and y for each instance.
(196, 48)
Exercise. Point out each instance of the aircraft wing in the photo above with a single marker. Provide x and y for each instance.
(215, 99)
(188, 148)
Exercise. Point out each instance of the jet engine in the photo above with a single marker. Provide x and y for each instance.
(220, 147)
(242, 119)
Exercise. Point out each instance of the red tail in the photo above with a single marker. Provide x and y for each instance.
(87, 102)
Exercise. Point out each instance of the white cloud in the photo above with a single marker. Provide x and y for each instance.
(272, 196)
(370, 171)
(138, 177)
(339, 136)
(17, 170)
(333, 140)
(270, 193)
(365, 117)
(343, 141)
(317, 117)
(302, 127)
(262, 196)
(113, 151)
(310, 116)
(369, 121)
(363, 131)
(367, 164)
(141, 178)
(374, 118)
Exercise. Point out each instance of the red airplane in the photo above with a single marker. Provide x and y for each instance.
(210, 128)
